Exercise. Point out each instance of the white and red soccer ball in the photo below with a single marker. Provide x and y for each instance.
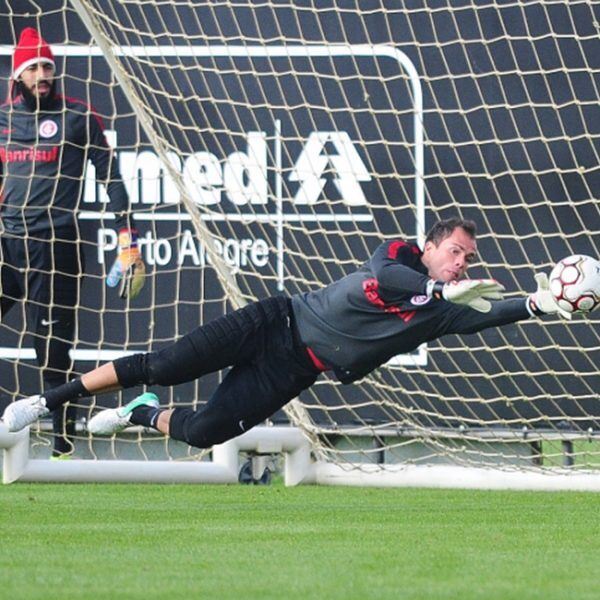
(575, 283)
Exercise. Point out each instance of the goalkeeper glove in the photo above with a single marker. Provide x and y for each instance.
(472, 292)
(128, 269)
(543, 302)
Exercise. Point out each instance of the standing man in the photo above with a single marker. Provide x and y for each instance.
(46, 140)
(400, 298)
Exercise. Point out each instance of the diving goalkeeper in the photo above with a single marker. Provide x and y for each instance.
(276, 348)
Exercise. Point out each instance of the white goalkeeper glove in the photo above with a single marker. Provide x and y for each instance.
(475, 293)
(542, 300)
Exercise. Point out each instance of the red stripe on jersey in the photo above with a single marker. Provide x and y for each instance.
(394, 247)
(316, 360)
(89, 107)
(371, 290)
(11, 101)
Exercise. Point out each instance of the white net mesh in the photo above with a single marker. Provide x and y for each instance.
(294, 138)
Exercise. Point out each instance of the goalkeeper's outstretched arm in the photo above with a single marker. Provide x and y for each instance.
(503, 312)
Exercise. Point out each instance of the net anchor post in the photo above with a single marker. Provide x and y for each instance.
(263, 442)
(568, 453)
(226, 455)
(567, 444)
(15, 448)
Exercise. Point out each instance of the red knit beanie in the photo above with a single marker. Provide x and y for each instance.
(32, 48)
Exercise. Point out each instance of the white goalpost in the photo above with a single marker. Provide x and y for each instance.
(269, 148)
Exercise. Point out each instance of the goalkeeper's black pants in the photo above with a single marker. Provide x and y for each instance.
(269, 367)
(43, 270)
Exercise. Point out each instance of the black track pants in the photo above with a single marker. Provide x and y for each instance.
(269, 367)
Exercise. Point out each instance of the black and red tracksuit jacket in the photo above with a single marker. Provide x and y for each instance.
(359, 322)
(43, 155)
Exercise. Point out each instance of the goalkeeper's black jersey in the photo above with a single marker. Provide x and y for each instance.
(361, 321)
(43, 155)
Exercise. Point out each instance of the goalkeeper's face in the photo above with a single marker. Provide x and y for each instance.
(450, 258)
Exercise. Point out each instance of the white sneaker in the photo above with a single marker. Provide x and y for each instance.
(22, 413)
(113, 420)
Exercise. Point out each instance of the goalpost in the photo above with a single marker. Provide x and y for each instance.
(269, 148)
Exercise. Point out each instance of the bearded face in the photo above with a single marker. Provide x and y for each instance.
(38, 85)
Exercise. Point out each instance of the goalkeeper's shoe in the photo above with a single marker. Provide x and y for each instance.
(114, 420)
(22, 413)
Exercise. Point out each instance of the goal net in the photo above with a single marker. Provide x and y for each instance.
(270, 147)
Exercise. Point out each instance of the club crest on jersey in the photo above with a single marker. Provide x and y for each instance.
(420, 300)
(48, 128)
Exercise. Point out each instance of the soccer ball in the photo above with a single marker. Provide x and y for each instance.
(575, 283)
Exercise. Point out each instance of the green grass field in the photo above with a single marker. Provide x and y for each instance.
(185, 541)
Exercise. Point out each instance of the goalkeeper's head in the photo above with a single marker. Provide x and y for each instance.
(450, 247)
(33, 69)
